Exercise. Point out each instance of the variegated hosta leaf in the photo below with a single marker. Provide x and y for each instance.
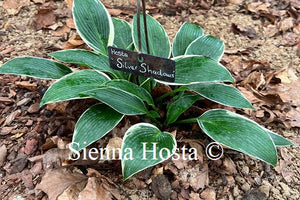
(159, 42)
(144, 146)
(35, 67)
(93, 124)
(186, 34)
(239, 133)
(94, 24)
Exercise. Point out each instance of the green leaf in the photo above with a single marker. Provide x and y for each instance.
(132, 88)
(35, 67)
(195, 69)
(186, 34)
(83, 57)
(159, 43)
(123, 38)
(221, 93)
(147, 146)
(120, 100)
(207, 46)
(180, 105)
(278, 139)
(70, 86)
(93, 124)
(239, 133)
(94, 24)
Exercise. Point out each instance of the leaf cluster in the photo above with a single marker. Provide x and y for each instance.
(198, 75)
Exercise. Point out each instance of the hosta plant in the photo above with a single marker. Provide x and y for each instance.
(198, 75)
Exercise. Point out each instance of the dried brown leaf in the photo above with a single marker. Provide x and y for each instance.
(45, 17)
(61, 31)
(112, 147)
(286, 24)
(208, 194)
(55, 181)
(236, 2)
(94, 190)
(55, 157)
(271, 30)
(58, 107)
(72, 192)
(258, 6)
(289, 40)
(161, 187)
(115, 12)
(194, 177)
(13, 7)
(69, 3)
(228, 167)
(73, 42)
(256, 79)
(294, 116)
(70, 23)
(249, 32)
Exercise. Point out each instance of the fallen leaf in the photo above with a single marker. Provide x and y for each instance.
(3, 153)
(61, 31)
(72, 192)
(55, 181)
(271, 30)
(13, 7)
(44, 18)
(55, 157)
(208, 194)
(228, 167)
(249, 32)
(258, 6)
(34, 108)
(73, 42)
(161, 187)
(69, 3)
(294, 116)
(195, 196)
(112, 148)
(194, 177)
(289, 40)
(286, 156)
(256, 79)
(70, 23)
(236, 2)
(286, 24)
(114, 12)
(287, 75)
(60, 107)
(94, 190)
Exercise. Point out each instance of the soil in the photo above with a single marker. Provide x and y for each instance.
(235, 176)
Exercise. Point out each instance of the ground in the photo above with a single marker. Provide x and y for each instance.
(262, 52)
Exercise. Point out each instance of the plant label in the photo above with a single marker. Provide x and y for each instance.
(142, 64)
